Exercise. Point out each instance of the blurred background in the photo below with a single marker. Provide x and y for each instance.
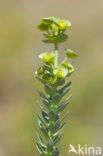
(20, 44)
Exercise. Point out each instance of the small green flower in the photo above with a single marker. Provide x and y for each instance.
(47, 57)
(61, 72)
(67, 65)
(63, 24)
(70, 70)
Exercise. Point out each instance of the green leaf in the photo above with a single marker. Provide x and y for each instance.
(59, 130)
(58, 39)
(65, 87)
(61, 38)
(42, 95)
(56, 126)
(59, 82)
(43, 27)
(42, 147)
(47, 76)
(39, 149)
(44, 99)
(48, 36)
(40, 71)
(50, 145)
(68, 98)
(61, 107)
(42, 121)
(41, 80)
(55, 152)
(57, 138)
(48, 68)
(46, 103)
(52, 115)
(44, 131)
(70, 53)
(64, 93)
(66, 114)
(56, 98)
(47, 41)
(48, 89)
(63, 104)
(41, 141)
(45, 115)
(47, 20)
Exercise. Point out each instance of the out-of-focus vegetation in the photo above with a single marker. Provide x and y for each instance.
(19, 48)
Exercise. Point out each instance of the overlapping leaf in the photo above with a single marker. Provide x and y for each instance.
(62, 105)
(43, 129)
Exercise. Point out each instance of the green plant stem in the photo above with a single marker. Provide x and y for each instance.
(65, 60)
(51, 124)
(56, 55)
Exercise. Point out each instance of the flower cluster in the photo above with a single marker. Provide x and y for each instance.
(47, 57)
(51, 74)
(55, 23)
(54, 28)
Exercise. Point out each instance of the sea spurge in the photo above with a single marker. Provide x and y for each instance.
(53, 76)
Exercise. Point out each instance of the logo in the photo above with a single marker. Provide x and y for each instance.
(85, 150)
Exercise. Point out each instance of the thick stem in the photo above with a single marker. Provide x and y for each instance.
(56, 55)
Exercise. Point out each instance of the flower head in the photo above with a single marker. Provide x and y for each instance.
(61, 72)
(69, 66)
(47, 57)
(64, 70)
(47, 23)
(63, 24)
